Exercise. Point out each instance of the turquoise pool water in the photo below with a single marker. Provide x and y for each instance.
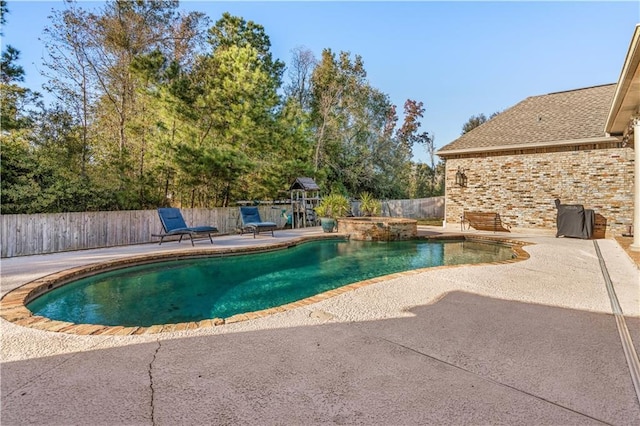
(219, 287)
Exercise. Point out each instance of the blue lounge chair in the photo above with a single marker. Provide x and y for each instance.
(173, 224)
(251, 222)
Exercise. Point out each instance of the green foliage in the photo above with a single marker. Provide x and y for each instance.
(233, 31)
(369, 206)
(10, 71)
(155, 109)
(234, 98)
(333, 206)
(427, 182)
(354, 122)
(3, 12)
(16, 102)
(475, 121)
(40, 180)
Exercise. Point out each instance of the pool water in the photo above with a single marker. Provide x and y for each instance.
(218, 287)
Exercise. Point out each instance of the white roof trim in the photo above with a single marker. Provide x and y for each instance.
(624, 81)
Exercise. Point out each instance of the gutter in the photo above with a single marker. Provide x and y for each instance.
(569, 142)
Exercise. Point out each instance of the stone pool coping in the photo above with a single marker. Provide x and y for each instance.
(13, 304)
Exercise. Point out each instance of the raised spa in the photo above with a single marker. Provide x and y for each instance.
(378, 228)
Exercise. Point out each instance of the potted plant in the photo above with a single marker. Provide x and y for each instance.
(369, 206)
(330, 208)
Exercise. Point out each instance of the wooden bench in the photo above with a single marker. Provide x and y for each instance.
(482, 221)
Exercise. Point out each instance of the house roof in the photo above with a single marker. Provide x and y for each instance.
(559, 118)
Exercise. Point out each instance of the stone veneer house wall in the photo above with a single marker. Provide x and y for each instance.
(546, 147)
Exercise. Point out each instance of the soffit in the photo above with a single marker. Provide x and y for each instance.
(626, 101)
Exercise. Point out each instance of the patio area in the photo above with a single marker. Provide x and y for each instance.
(532, 342)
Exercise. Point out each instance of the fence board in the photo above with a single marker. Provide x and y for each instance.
(23, 235)
(421, 208)
(417, 208)
(9, 239)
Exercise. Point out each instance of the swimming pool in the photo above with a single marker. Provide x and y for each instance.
(189, 290)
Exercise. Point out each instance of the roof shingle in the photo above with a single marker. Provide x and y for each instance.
(560, 116)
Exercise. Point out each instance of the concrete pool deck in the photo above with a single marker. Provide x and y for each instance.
(530, 342)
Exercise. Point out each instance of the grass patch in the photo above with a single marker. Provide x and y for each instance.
(430, 221)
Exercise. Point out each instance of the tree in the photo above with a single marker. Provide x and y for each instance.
(231, 31)
(18, 162)
(69, 72)
(339, 97)
(91, 66)
(413, 112)
(3, 11)
(153, 108)
(327, 89)
(354, 123)
(61, 170)
(475, 121)
(229, 107)
(293, 156)
(15, 100)
(302, 65)
(407, 133)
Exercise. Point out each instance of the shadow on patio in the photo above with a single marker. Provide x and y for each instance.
(466, 359)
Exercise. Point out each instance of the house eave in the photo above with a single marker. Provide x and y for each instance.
(625, 100)
(528, 146)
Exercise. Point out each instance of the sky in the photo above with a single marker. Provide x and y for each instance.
(458, 58)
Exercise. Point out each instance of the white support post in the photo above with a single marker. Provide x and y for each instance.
(635, 246)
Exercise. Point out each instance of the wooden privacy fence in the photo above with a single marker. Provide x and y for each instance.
(419, 208)
(24, 235)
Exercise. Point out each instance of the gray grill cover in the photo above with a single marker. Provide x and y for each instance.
(574, 220)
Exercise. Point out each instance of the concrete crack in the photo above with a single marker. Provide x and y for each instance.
(153, 360)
